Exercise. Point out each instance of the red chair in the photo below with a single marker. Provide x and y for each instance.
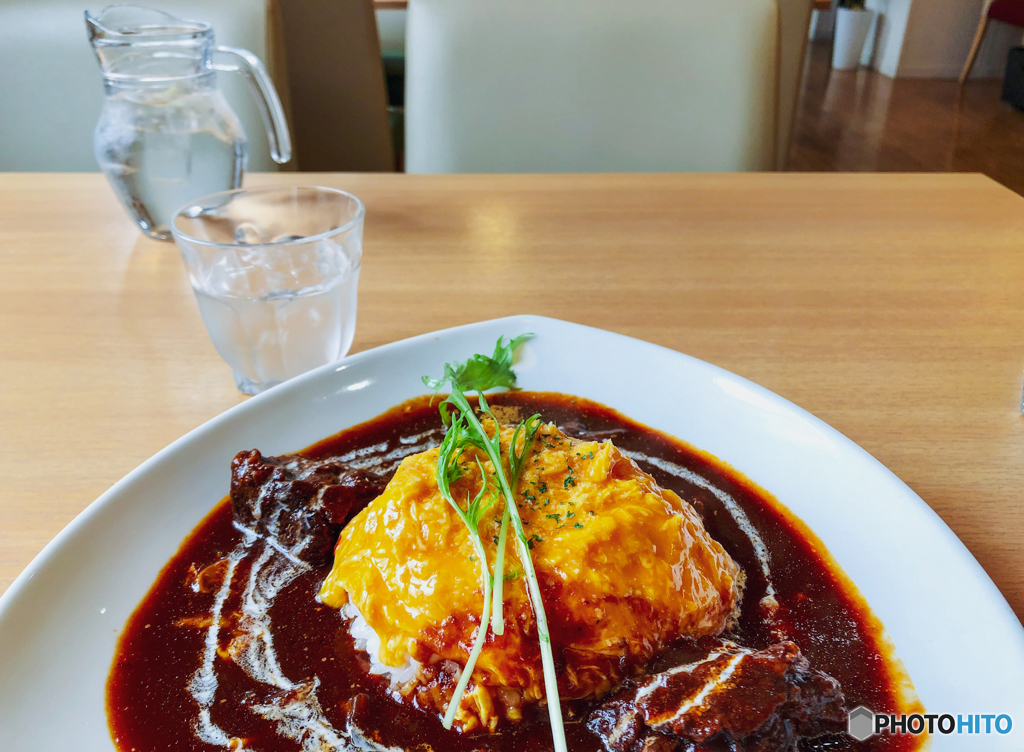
(1007, 11)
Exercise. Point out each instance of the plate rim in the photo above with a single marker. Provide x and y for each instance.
(45, 554)
(965, 560)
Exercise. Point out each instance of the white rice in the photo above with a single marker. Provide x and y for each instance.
(367, 640)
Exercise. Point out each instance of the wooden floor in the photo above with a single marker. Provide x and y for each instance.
(854, 121)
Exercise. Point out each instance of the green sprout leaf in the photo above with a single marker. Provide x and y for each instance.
(456, 441)
(479, 374)
(517, 460)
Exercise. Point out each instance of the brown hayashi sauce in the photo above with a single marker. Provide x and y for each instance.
(149, 706)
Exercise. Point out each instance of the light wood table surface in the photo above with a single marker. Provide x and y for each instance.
(891, 306)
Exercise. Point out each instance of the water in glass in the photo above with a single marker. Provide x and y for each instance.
(275, 272)
(268, 338)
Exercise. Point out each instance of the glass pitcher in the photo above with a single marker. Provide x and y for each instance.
(166, 135)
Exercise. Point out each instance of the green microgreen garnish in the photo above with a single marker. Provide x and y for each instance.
(516, 461)
(449, 470)
(481, 373)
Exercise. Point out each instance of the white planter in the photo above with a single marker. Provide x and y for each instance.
(852, 27)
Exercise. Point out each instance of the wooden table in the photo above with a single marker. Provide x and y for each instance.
(892, 306)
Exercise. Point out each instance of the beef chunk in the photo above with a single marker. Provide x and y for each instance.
(298, 503)
(734, 699)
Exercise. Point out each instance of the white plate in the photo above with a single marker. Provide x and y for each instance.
(960, 642)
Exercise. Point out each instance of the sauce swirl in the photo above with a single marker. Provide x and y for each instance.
(157, 698)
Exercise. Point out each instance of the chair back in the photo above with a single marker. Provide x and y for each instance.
(794, 25)
(52, 89)
(336, 86)
(591, 85)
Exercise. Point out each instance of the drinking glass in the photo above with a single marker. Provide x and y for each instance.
(275, 272)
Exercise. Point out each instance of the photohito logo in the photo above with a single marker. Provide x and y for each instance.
(863, 723)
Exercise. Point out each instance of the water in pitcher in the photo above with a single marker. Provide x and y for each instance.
(157, 161)
(166, 135)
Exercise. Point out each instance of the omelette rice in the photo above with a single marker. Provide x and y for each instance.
(625, 568)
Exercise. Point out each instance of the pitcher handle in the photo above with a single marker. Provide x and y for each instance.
(252, 68)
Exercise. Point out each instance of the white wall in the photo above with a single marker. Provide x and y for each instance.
(52, 88)
(391, 28)
(939, 36)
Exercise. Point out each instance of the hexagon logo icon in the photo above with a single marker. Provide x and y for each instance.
(861, 723)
